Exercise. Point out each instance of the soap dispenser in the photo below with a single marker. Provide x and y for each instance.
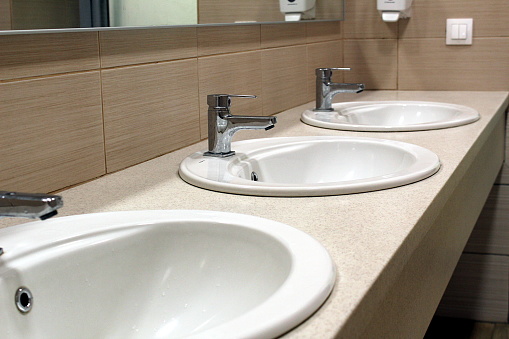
(296, 10)
(393, 10)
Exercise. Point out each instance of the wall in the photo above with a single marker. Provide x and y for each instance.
(114, 99)
(78, 105)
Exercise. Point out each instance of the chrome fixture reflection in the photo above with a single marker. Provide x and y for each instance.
(223, 125)
(23, 299)
(326, 89)
(29, 205)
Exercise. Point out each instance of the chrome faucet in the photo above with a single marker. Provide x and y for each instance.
(29, 205)
(326, 89)
(223, 125)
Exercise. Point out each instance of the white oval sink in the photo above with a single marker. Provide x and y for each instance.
(311, 166)
(384, 116)
(160, 274)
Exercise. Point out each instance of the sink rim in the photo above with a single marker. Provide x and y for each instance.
(247, 187)
(311, 263)
(467, 115)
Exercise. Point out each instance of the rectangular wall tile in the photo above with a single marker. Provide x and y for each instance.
(43, 54)
(363, 21)
(238, 73)
(279, 35)
(428, 64)
(284, 80)
(429, 18)
(329, 10)
(491, 233)
(149, 110)
(323, 31)
(373, 62)
(128, 47)
(52, 132)
(324, 54)
(228, 39)
(478, 289)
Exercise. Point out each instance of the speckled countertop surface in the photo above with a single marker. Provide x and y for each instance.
(364, 233)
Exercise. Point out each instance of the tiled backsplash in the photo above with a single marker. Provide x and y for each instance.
(76, 106)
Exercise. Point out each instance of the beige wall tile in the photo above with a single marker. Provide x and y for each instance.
(128, 47)
(222, 11)
(329, 10)
(491, 234)
(284, 80)
(429, 18)
(279, 35)
(363, 21)
(52, 133)
(478, 289)
(42, 54)
(373, 62)
(238, 73)
(323, 31)
(324, 54)
(228, 39)
(5, 14)
(428, 64)
(149, 110)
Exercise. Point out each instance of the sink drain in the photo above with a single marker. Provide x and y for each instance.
(24, 300)
(254, 176)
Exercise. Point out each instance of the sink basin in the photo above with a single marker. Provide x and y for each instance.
(311, 166)
(159, 274)
(384, 116)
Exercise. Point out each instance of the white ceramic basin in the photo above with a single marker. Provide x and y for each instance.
(384, 116)
(160, 274)
(311, 166)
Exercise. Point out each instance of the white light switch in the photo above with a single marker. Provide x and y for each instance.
(459, 31)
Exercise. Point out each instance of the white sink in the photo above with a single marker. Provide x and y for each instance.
(160, 274)
(311, 166)
(384, 116)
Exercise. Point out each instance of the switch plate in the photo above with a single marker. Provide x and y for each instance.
(459, 31)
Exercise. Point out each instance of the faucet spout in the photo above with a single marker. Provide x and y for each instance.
(326, 89)
(223, 125)
(29, 205)
(238, 122)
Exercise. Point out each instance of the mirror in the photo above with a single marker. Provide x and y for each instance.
(64, 14)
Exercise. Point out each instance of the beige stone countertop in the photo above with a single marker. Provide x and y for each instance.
(370, 236)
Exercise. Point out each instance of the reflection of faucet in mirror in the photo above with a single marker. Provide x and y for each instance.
(326, 89)
(222, 124)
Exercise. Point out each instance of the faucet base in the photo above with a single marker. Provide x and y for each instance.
(323, 110)
(219, 155)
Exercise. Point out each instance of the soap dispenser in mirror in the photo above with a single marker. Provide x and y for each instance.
(296, 10)
(393, 10)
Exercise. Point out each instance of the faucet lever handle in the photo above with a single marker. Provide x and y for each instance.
(326, 73)
(242, 96)
(224, 100)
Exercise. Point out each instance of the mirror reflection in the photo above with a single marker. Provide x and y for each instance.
(50, 14)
